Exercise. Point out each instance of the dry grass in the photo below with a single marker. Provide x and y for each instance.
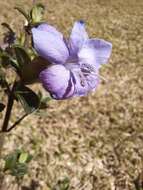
(95, 141)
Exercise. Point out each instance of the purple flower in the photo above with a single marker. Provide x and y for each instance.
(75, 63)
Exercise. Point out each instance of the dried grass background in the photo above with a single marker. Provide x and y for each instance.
(95, 141)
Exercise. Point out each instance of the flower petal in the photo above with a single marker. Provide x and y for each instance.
(95, 52)
(81, 86)
(50, 29)
(50, 45)
(91, 75)
(57, 81)
(77, 37)
(85, 80)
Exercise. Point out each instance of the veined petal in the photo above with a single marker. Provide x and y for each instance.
(85, 80)
(91, 76)
(57, 81)
(77, 38)
(50, 45)
(81, 86)
(95, 52)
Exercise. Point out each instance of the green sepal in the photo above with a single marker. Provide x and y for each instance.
(21, 39)
(36, 13)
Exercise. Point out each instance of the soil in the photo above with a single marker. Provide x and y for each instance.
(95, 141)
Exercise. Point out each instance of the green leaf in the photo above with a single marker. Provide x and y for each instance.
(22, 56)
(23, 157)
(6, 60)
(16, 163)
(23, 12)
(37, 13)
(43, 100)
(10, 160)
(29, 158)
(29, 99)
(2, 106)
(19, 170)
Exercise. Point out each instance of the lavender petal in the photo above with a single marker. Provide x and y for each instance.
(77, 38)
(57, 81)
(50, 46)
(50, 29)
(95, 52)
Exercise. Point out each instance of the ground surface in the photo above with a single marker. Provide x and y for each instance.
(95, 141)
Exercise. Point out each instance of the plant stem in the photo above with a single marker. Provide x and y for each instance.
(9, 109)
(2, 139)
(17, 122)
(8, 112)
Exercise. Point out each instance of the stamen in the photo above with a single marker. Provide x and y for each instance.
(82, 79)
(87, 69)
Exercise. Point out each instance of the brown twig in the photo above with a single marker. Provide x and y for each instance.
(9, 109)
(17, 122)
